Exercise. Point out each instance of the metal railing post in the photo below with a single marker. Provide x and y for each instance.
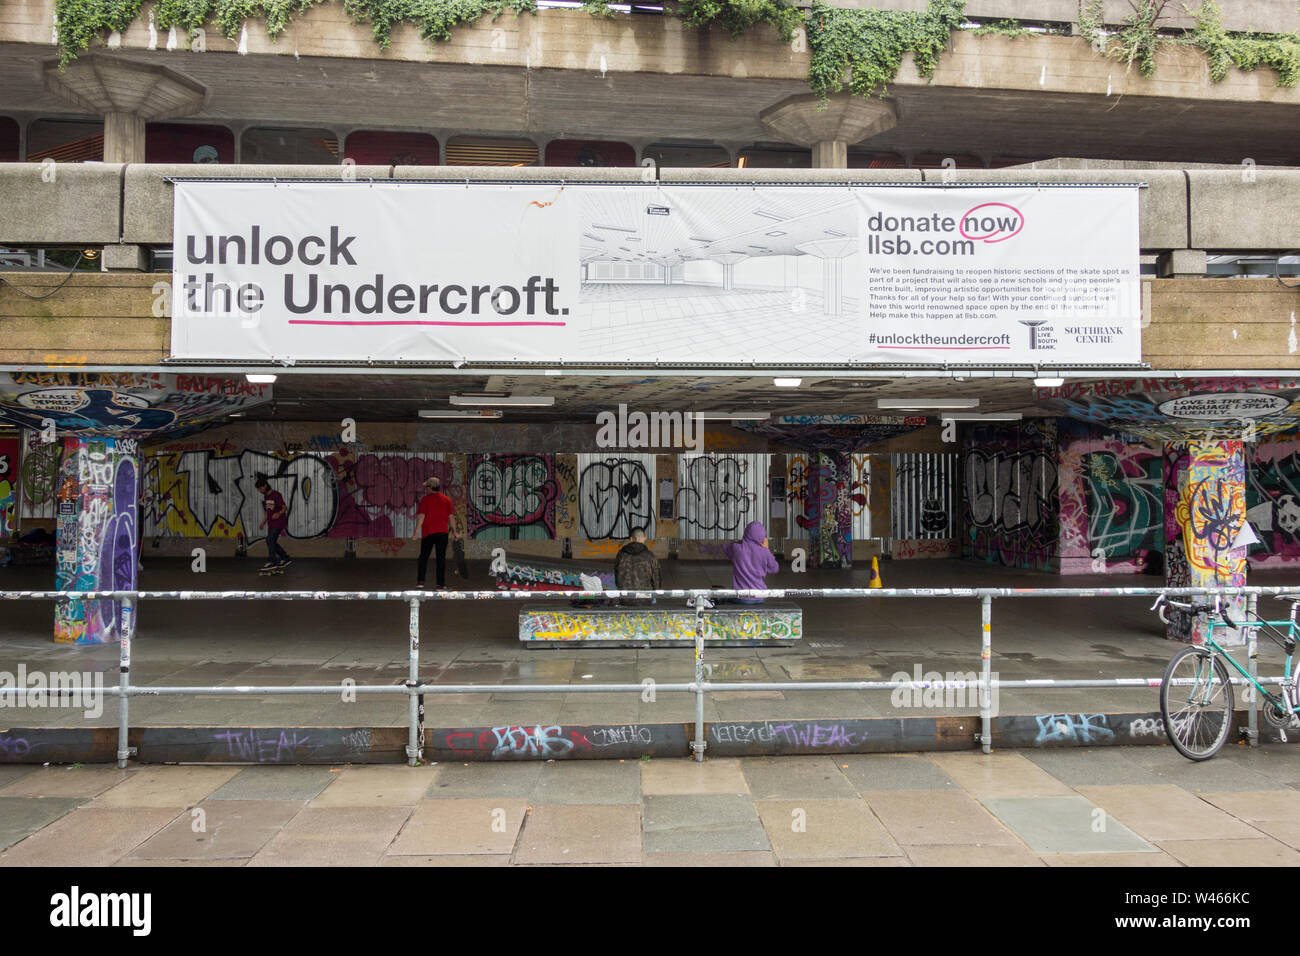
(1252, 651)
(124, 682)
(415, 708)
(986, 673)
(699, 744)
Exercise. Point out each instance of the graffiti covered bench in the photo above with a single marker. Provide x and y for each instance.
(528, 574)
(776, 623)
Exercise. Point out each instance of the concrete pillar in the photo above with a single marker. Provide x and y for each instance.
(829, 512)
(828, 128)
(831, 252)
(728, 276)
(128, 94)
(1205, 508)
(95, 530)
(1182, 264)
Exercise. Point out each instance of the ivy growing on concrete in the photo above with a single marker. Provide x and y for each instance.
(81, 21)
(435, 18)
(1246, 51)
(737, 16)
(864, 49)
(229, 16)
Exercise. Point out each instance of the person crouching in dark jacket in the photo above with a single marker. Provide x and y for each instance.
(636, 569)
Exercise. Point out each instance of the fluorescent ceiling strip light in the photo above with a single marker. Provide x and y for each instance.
(769, 215)
(463, 413)
(611, 228)
(990, 417)
(787, 382)
(259, 378)
(1049, 382)
(515, 401)
(735, 416)
(908, 403)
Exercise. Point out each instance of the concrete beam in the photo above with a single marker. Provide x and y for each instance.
(59, 203)
(1244, 210)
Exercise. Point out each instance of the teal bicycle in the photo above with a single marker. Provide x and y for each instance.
(1196, 693)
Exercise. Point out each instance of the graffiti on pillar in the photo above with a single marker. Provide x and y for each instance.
(808, 512)
(8, 487)
(615, 496)
(717, 493)
(511, 496)
(1111, 503)
(39, 477)
(96, 535)
(1010, 480)
(828, 509)
(1273, 503)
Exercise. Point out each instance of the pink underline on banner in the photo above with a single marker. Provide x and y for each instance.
(474, 324)
(944, 348)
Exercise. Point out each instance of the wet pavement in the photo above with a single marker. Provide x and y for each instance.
(1078, 807)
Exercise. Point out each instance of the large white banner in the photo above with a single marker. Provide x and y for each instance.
(636, 273)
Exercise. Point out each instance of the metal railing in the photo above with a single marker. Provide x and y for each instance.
(700, 599)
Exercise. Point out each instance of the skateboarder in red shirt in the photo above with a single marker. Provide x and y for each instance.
(276, 520)
(431, 529)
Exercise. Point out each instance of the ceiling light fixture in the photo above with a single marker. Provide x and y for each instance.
(612, 228)
(774, 234)
(768, 215)
(259, 378)
(464, 413)
(1046, 382)
(514, 401)
(787, 382)
(735, 416)
(918, 403)
(990, 417)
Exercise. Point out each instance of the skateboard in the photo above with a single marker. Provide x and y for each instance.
(267, 572)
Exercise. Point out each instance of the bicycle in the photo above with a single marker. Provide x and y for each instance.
(1199, 718)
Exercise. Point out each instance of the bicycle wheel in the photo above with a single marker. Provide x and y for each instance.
(1198, 714)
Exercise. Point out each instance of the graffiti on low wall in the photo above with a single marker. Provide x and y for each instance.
(727, 626)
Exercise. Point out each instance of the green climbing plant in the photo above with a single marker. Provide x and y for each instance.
(435, 18)
(738, 16)
(865, 48)
(1138, 39)
(229, 16)
(81, 21)
(1246, 51)
(1004, 28)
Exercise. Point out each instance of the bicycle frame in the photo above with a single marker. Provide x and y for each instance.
(1272, 632)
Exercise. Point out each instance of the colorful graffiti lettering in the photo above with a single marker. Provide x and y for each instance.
(615, 497)
(1011, 494)
(765, 624)
(511, 496)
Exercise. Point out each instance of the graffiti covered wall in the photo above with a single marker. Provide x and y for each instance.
(1009, 479)
(1273, 502)
(96, 527)
(9, 456)
(511, 496)
(1111, 501)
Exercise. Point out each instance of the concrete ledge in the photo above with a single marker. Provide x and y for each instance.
(676, 174)
(511, 742)
(573, 174)
(1162, 206)
(775, 623)
(1244, 210)
(72, 203)
(148, 196)
(534, 575)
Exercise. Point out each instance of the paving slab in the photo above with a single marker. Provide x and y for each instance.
(724, 859)
(971, 856)
(1257, 805)
(377, 786)
(501, 780)
(275, 783)
(20, 817)
(452, 859)
(893, 772)
(936, 817)
(1221, 853)
(1109, 860)
(88, 836)
(578, 833)
(858, 861)
(999, 774)
(334, 836)
(482, 826)
(824, 829)
(1093, 766)
(177, 787)
(674, 823)
(227, 829)
(1065, 825)
(1165, 812)
(66, 782)
(780, 778)
(686, 775)
(589, 781)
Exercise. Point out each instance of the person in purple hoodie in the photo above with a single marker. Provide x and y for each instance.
(751, 561)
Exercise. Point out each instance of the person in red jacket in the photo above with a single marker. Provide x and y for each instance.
(431, 529)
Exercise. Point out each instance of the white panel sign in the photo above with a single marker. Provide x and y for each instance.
(643, 273)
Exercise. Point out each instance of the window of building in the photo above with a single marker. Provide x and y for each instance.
(582, 152)
(485, 151)
(10, 136)
(860, 160)
(670, 154)
(372, 147)
(65, 141)
(267, 145)
(183, 143)
(774, 157)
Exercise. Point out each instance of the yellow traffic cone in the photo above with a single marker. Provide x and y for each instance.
(875, 574)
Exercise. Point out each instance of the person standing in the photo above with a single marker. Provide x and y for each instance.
(751, 562)
(276, 520)
(636, 568)
(431, 530)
